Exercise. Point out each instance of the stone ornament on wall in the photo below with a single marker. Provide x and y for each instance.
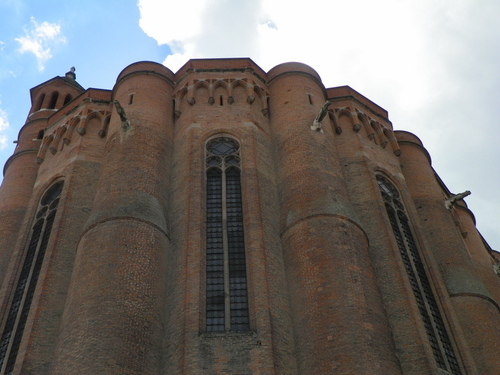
(317, 126)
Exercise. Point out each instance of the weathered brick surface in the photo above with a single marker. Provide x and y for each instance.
(122, 285)
(336, 306)
(447, 248)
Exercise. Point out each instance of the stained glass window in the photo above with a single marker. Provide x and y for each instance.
(28, 277)
(226, 280)
(439, 339)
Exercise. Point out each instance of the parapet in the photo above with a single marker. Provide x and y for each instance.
(146, 67)
(292, 67)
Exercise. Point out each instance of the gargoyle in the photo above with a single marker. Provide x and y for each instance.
(321, 115)
(122, 114)
(450, 202)
(496, 268)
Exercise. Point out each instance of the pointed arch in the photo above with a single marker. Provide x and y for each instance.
(201, 91)
(221, 91)
(221, 83)
(342, 112)
(234, 87)
(202, 83)
(89, 119)
(226, 277)
(237, 83)
(85, 120)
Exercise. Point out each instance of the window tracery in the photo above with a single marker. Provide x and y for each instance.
(28, 278)
(226, 280)
(435, 328)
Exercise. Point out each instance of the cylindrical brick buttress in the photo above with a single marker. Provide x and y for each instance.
(20, 173)
(482, 259)
(336, 307)
(469, 295)
(113, 318)
(360, 173)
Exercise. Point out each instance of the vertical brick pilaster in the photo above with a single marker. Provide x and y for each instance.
(114, 316)
(336, 306)
(474, 306)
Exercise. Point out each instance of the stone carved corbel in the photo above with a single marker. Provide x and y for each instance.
(81, 130)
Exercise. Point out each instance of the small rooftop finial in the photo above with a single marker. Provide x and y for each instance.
(71, 74)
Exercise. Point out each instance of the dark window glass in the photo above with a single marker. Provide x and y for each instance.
(67, 99)
(226, 294)
(439, 339)
(40, 102)
(53, 100)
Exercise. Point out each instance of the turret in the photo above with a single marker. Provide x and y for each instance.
(324, 245)
(21, 168)
(470, 296)
(121, 256)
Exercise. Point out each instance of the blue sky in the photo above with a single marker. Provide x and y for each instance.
(99, 38)
(433, 64)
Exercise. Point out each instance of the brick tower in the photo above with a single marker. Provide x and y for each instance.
(227, 220)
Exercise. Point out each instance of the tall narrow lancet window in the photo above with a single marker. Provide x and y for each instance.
(226, 280)
(28, 277)
(439, 338)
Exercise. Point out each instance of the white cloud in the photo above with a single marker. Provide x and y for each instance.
(3, 142)
(213, 28)
(4, 121)
(39, 39)
(433, 64)
(160, 20)
(4, 125)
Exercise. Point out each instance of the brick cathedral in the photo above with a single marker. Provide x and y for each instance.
(227, 220)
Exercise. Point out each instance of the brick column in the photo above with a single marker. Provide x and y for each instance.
(336, 306)
(482, 259)
(20, 173)
(115, 310)
(474, 306)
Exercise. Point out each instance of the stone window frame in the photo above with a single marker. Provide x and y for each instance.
(427, 304)
(226, 298)
(25, 286)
